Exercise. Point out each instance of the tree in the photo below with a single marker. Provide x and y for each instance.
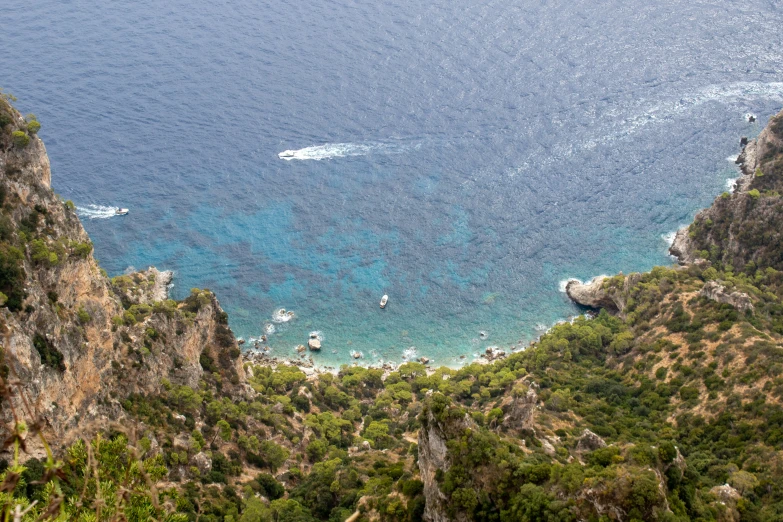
(377, 433)
(224, 430)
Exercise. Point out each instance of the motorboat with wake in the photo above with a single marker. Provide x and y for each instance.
(286, 154)
(120, 211)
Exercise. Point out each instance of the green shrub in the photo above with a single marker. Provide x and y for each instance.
(12, 276)
(82, 250)
(83, 315)
(33, 127)
(20, 138)
(50, 356)
(754, 193)
(41, 255)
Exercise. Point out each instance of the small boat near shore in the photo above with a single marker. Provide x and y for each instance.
(120, 211)
(384, 300)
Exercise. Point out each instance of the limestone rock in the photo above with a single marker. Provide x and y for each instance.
(591, 294)
(589, 441)
(433, 456)
(714, 291)
(548, 448)
(94, 366)
(202, 462)
(314, 344)
(726, 493)
(521, 410)
(681, 247)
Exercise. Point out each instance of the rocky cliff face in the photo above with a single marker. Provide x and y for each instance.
(603, 292)
(433, 460)
(743, 227)
(74, 344)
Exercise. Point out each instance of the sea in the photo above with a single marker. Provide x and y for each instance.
(464, 158)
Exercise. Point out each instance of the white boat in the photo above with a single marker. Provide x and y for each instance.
(286, 154)
(120, 211)
(384, 299)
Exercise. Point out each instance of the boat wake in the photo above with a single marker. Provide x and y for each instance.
(342, 150)
(624, 123)
(96, 211)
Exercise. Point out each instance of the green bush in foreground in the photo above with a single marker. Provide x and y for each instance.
(20, 139)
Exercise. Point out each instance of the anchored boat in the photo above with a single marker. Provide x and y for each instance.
(384, 299)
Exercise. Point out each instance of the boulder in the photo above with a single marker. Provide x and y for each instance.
(202, 462)
(726, 493)
(589, 441)
(314, 344)
(520, 413)
(591, 294)
(714, 291)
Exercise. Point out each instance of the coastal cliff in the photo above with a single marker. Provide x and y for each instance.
(744, 226)
(665, 405)
(74, 343)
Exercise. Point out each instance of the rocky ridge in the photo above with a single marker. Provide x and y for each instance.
(73, 342)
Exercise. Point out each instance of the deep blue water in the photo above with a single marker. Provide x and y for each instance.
(462, 157)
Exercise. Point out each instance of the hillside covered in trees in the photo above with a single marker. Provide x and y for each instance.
(117, 406)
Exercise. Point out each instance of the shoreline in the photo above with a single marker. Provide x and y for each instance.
(255, 354)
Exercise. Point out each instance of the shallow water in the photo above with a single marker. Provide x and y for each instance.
(463, 158)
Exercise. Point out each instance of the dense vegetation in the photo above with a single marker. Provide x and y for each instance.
(686, 392)
(671, 410)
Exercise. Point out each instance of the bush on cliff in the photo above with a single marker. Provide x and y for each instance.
(20, 139)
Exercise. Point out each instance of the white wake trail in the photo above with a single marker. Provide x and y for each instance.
(96, 211)
(342, 150)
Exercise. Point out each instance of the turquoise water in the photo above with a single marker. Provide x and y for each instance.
(462, 158)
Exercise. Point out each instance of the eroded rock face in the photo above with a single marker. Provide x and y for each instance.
(717, 292)
(202, 462)
(746, 226)
(433, 456)
(521, 410)
(682, 248)
(591, 294)
(589, 441)
(67, 339)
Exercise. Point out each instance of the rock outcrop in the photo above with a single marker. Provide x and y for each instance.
(433, 458)
(716, 292)
(73, 344)
(589, 441)
(746, 226)
(521, 410)
(591, 294)
(602, 292)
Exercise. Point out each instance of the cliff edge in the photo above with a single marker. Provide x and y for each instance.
(74, 343)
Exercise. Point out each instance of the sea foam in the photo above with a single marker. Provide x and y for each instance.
(564, 283)
(282, 315)
(96, 211)
(342, 150)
